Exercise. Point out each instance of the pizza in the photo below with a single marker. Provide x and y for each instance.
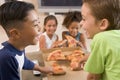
(61, 43)
(57, 69)
(71, 41)
(56, 55)
(74, 59)
(76, 54)
(74, 65)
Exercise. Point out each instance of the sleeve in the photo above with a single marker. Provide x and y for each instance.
(96, 61)
(28, 65)
(9, 68)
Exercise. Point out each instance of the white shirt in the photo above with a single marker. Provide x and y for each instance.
(49, 41)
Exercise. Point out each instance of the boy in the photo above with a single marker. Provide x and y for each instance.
(20, 21)
(101, 22)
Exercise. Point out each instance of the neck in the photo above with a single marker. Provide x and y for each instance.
(50, 36)
(17, 45)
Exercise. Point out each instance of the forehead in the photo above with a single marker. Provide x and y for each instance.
(74, 24)
(85, 9)
(51, 21)
(32, 16)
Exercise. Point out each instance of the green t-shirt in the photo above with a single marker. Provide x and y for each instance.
(105, 55)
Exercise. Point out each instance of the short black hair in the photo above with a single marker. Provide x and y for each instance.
(71, 17)
(13, 12)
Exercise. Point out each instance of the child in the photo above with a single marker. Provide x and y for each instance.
(49, 37)
(71, 22)
(20, 21)
(101, 23)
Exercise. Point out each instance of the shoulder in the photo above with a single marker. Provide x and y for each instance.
(102, 36)
(7, 52)
(7, 58)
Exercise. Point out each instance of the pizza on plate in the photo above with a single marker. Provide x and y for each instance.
(56, 55)
(74, 59)
(57, 69)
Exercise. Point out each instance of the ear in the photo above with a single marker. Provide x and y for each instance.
(104, 24)
(14, 33)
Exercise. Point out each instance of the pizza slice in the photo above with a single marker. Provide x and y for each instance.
(74, 66)
(56, 55)
(78, 54)
(71, 41)
(57, 69)
(61, 43)
(75, 58)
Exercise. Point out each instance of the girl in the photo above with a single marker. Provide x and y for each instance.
(71, 22)
(49, 37)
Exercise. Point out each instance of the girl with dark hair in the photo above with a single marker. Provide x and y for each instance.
(72, 23)
(48, 37)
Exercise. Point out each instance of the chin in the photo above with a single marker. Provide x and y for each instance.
(89, 37)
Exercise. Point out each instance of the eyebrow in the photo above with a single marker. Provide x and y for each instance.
(36, 20)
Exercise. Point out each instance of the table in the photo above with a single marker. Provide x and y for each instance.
(28, 74)
(70, 75)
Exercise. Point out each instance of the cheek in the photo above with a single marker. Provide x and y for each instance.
(31, 33)
(54, 28)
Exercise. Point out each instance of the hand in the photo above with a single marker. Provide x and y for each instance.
(46, 70)
(81, 64)
(79, 44)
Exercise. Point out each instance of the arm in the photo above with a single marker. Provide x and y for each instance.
(42, 43)
(84, 58)
(9, 68)
(55, 44)
(93, 76)
(29, 65)
(63, 35)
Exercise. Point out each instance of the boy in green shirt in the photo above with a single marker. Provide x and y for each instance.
(101, 22)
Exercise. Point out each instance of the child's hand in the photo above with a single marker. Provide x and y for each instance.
(47, 70)
(79, 44)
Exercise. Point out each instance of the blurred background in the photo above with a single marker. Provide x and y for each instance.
(44, 8)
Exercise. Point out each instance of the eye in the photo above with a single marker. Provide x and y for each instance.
(36, 24)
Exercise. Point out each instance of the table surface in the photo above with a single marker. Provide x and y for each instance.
(70, 75)
(28, 74)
